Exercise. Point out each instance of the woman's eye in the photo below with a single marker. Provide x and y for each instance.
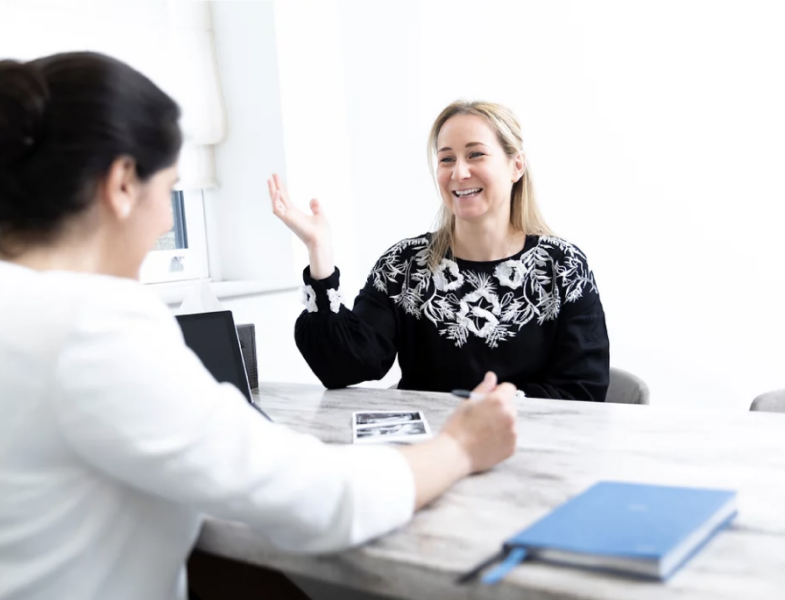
(446, 159)
(476, 154)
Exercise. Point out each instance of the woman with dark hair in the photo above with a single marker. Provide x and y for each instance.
(115, 439)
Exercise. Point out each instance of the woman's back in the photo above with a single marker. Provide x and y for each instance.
(60, 516)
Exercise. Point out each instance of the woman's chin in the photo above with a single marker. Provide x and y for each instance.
(469, 213)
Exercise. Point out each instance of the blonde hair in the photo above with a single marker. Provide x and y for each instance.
(525, 215)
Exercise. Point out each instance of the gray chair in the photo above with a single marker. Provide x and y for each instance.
(626, 388)
(246, 333)
(770, 402)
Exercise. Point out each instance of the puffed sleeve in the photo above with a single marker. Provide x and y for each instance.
(580, 358)
(344, 346)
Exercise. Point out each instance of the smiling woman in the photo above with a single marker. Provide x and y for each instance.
(491, 290)
(480, 143)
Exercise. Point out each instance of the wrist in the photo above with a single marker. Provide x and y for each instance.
(320, 246)
(461, 456)
(321, 261)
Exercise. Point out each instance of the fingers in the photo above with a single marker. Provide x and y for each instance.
(278, 196)
(316, 208)
(275, 201)
(281, 188)
(488, 384)
(279, 208)
(506, 390)
(276, 184)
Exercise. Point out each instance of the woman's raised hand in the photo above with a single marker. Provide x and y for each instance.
(313, 229)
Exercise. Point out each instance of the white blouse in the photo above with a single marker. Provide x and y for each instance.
(115, 442)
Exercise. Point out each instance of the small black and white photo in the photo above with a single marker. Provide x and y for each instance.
(396, 430)
(386, 417)
(394, 426)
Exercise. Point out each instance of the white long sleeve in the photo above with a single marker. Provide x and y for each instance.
(137, 441)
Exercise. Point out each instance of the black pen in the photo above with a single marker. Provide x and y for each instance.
(467, 394)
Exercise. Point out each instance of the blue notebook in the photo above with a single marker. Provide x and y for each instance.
(637, 529)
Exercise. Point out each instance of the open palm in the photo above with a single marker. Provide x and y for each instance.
(313, 229)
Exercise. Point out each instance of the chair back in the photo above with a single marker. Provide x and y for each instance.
(626, 388)
(246, 333)
(770, 402)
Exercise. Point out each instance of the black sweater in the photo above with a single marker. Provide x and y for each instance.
(535, 319)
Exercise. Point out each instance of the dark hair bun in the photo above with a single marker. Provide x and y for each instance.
(23, 101)
(64, 119)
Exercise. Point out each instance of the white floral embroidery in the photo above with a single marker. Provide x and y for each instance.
(510, 274)
(461, 303)
(479, 313)
(309, 299)
(335, 300)
(441, 279)
(390, 267)
(470, 305)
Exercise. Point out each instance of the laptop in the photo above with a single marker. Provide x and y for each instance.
(213, 338)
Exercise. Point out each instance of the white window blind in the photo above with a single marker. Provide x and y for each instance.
(170, 42)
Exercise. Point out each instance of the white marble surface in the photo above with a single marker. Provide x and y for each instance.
(564, 447)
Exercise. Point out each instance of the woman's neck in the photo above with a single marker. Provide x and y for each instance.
(67, 252)
(52, 258)
(483, 242)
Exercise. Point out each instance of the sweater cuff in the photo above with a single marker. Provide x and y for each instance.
(321, 295)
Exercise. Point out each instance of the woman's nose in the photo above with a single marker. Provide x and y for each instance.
(461, 171)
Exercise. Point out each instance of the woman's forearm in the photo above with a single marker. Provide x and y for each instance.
(321, 260)
(436, 465)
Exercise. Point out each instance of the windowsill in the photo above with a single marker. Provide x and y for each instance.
(176, 291)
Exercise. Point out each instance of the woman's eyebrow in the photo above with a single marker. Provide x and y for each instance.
(469, 145)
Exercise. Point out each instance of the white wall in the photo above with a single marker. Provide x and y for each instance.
(316, 134)
(274, 316)
(277, 93)
(248, 241)
(655, 136)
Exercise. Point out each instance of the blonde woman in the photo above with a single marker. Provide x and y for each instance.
(491, 289)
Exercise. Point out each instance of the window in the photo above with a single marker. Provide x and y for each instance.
(181, 253)
(178, 54)
(177, 237)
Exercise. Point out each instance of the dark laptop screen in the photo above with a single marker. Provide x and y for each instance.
(213, 338)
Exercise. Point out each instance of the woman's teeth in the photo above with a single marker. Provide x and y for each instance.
(466, 193)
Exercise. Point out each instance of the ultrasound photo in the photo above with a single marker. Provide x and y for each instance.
(397, 430)
(381, 418)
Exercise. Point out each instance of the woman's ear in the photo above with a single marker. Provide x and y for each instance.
(119, 191)
(519, 167)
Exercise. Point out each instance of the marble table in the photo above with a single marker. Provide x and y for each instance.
(563, 448)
